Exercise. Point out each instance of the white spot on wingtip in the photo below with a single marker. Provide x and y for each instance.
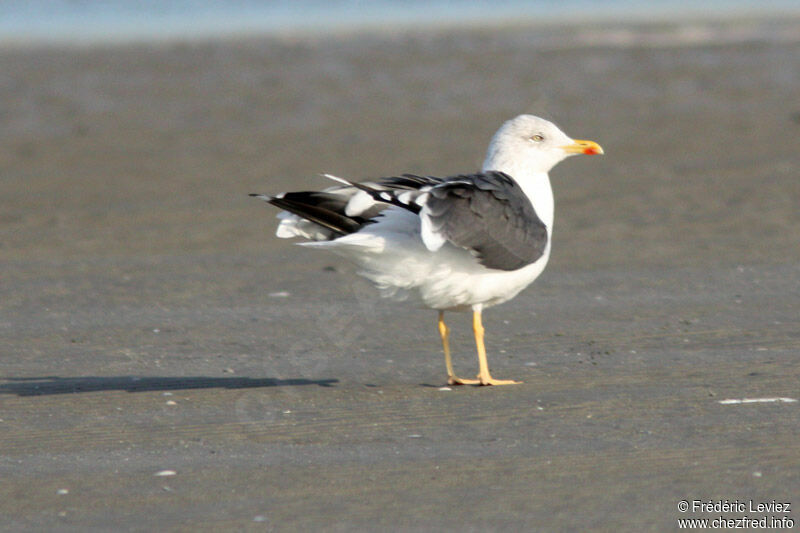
(358, 203)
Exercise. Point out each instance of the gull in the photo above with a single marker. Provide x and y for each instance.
(459, 243)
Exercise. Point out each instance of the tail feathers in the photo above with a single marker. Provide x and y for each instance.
(355, 242)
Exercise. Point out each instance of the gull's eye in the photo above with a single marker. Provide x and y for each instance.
(537, 138)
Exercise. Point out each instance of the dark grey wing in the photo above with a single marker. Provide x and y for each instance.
(489, 214)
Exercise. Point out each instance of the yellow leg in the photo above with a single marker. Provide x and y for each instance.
(484, 376)
(452, 379)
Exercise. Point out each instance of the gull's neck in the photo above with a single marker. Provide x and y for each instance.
(535, 185)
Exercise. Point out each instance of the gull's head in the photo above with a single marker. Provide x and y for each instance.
(532, 144)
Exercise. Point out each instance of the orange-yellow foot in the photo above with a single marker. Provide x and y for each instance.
(455, 380)
(489, 380)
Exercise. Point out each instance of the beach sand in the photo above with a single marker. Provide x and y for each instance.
(151, 322)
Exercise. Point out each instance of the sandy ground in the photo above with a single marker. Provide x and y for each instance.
(151, 322)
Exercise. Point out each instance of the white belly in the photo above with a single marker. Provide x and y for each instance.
(463, 290)
(391, 254)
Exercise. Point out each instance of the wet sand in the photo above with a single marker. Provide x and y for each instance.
(151, 322)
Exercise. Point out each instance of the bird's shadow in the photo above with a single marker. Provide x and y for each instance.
(47, 385)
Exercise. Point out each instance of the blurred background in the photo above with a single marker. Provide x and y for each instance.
(115, 20)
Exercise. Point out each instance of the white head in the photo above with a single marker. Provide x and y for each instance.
(531, 144)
